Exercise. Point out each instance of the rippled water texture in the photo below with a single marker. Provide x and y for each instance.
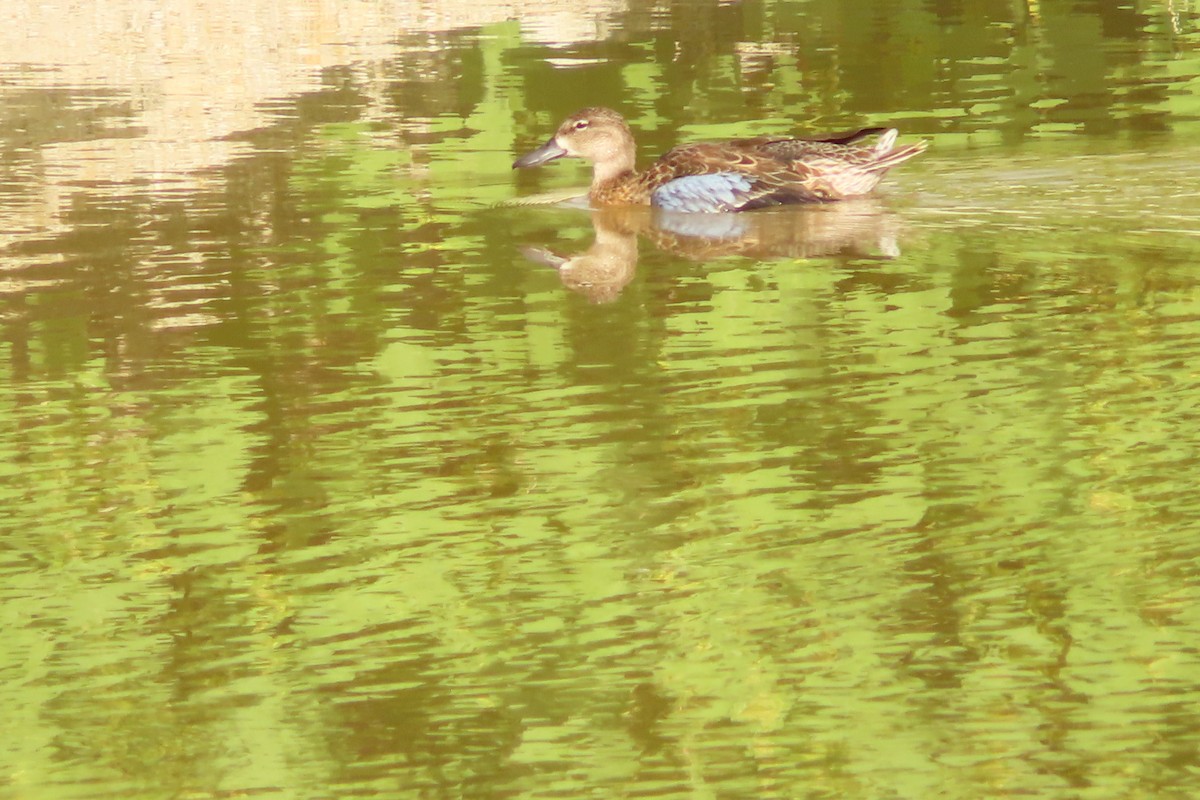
(336, 463)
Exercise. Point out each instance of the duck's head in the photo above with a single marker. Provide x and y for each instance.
(599, 135)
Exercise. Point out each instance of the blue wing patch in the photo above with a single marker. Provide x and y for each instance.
(720, 191)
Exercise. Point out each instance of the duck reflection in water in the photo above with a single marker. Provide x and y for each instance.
(861, 229)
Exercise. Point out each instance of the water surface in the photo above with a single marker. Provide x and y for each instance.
(324, 477)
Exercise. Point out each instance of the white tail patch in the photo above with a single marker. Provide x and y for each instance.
(886, 141)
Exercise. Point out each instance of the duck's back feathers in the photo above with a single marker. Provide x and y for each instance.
(745, 174)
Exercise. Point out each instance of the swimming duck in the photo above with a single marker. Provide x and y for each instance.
(736, 175)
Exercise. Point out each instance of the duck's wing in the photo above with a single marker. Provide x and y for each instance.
(755, 173)
(840, 166)
(728, 191)
(716, 177)
(841, 152)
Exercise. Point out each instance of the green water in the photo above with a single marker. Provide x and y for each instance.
(315, 484)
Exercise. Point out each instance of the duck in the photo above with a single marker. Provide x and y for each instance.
(725, 176)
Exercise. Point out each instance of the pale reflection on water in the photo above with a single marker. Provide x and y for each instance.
(860, 228)
(316, 486)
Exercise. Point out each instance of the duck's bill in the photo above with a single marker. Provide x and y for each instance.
(547, 152)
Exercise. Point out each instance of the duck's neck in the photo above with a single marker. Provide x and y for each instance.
(614, 166)
(603, 178)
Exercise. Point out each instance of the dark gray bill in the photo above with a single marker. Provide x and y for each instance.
(547, 152)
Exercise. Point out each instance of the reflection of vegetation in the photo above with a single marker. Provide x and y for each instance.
(999, 69)
(312, 482)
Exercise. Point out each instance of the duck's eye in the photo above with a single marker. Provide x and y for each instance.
(580, 125)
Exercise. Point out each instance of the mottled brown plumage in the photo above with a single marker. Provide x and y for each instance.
(743, 174)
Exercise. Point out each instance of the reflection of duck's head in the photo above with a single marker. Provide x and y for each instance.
(605, 268)
(598, 135)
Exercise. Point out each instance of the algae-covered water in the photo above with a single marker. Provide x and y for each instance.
(326, 473)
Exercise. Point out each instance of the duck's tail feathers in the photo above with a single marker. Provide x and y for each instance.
(887, 157)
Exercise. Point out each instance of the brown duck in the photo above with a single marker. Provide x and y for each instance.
(736, 175)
